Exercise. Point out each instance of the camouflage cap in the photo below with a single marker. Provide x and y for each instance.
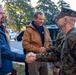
(65, 12)
(68, 12)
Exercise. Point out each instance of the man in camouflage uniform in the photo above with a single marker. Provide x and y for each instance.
(59, 38)
(65, 53)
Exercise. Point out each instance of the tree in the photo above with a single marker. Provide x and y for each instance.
(49, 8)
(62, 3)
(17, 12)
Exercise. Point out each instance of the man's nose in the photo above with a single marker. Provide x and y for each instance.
(42, 21)
(3, 15)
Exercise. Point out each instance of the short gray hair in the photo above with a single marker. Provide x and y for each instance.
(1, 5)
(38, 13)
(72, 20)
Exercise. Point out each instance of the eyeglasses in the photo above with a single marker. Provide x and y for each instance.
(2, 13)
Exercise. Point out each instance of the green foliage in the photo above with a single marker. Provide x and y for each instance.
(20, 69)
(49, 8)
(17, 12)
(62, 3)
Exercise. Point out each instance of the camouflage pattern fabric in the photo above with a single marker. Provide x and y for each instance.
(64, 53)
(60, 37)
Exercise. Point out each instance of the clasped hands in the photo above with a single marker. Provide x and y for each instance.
(30, 57)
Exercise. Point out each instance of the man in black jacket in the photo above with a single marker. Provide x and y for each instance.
(19, 38)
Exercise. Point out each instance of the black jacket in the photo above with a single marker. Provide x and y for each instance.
(19, 37)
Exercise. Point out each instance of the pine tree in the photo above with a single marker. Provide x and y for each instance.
(62, 3)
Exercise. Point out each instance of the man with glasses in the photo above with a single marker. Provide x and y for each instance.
(6, 55)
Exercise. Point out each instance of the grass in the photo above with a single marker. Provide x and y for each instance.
(20, 69)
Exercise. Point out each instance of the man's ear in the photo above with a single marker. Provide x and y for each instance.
(34, 19)
(65, 20)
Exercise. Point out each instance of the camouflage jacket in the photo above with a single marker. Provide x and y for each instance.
(59, 38)
(67, 54)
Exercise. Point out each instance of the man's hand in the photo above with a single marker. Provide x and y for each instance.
(30, 57)
(42, 50)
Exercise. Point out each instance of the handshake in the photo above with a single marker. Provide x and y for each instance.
(30, 57)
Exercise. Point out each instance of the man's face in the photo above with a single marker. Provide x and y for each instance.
(61, 22)
(2, 15)
(39, 20)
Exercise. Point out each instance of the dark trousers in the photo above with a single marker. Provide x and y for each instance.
(26, 69)
(26, 65)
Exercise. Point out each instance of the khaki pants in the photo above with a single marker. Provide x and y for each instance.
(38, 68)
